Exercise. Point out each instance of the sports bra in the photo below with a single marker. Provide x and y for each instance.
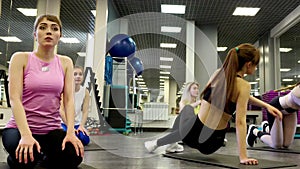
(230, 109)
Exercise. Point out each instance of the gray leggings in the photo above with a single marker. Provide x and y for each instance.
(189, 129)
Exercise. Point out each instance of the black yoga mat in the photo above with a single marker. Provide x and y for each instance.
(294, 150)
(92, 146)
(4, 165)
(227, 161)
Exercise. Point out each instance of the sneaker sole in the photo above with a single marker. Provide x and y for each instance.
(249, 129)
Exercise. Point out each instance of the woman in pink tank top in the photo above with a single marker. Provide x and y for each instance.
(36, 82)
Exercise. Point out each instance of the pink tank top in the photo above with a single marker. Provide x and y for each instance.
(42, 87)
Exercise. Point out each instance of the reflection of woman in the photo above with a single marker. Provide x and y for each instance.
(82, 99)
(225, 93)
(278, 133)
(36, 81)
(189, 97)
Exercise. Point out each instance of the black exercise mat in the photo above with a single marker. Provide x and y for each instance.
(92, 146)
(4, 165)
(227, 161)
(294, 150)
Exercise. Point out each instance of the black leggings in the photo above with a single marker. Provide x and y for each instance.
(275, 103)
(50, 147)
(188, 128)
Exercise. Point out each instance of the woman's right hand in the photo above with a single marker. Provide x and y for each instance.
(25, 148)
(249, 161)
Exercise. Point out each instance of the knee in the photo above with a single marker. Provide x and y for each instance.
(85, 139)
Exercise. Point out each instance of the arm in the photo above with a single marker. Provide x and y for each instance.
(275, 112)
(16, 71)
(68, 101)
(241, 125)
(85, 109)
(62, 111)
(195, 104)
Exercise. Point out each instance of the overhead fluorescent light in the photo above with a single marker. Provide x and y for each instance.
(69, 40)
(285, 49)
(168, 45)
(162, 84)
(284, 69)
(140, 82)
(221, 49)
(165, 73)
(166, 59)
(161, 80)
(170, 29)
(245, 11)
(164, 77)
(173, 9)
(94, 12)
(165, 66)
(257, 79)
(10, 39)
(82, 54)
(287, 80)
(0, 53)
(252, 83)
(28, 11)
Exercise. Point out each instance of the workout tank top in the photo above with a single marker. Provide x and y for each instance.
(42, 87)
(231, 105)
(79, 97)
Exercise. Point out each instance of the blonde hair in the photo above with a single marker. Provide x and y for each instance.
(186, 97)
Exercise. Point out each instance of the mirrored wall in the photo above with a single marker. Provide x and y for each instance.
(289, 56)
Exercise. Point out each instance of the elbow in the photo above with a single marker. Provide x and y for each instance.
(240, 123)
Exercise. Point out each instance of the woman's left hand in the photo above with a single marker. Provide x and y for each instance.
(275, 112)
(71, 137)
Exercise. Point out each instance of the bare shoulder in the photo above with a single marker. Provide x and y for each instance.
(87, 93)
(20, 56)
(19, 59)
(242, 85)
(65, 59)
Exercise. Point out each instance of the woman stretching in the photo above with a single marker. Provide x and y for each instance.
(225, 93)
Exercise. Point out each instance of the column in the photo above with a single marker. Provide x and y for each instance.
(47, 7)
(206, 48)
(190, 54)
(100, 43)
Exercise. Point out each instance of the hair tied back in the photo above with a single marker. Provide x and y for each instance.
(237, 49)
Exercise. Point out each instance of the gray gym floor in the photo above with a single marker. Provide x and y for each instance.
(131, 154)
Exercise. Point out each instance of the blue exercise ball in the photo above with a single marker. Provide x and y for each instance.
(121, 45)
(137, 65)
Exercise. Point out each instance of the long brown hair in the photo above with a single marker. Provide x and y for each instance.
(224, 81)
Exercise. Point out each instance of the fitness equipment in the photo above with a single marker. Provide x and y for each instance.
(121, 45)
(137, 65)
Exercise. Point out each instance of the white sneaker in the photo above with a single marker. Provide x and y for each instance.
(175, 147)
(151, 145)
(265, 126)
